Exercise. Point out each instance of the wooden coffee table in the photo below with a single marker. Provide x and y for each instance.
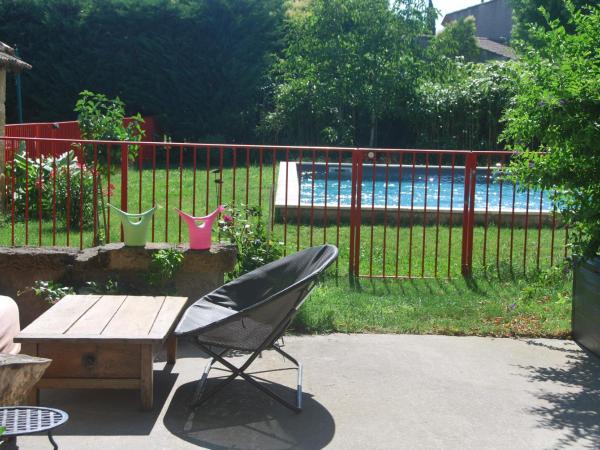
(104, 341)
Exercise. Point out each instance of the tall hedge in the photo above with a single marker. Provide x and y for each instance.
(197, 66)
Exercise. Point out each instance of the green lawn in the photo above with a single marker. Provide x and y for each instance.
(537, 306)
(507, 295)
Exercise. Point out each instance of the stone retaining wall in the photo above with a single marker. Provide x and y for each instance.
(201, 272)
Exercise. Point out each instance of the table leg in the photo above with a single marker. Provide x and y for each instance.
(171, 349)
(146, 377)
(52, 441)
(33, 396)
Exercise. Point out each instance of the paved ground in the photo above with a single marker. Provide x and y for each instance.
(362, 392)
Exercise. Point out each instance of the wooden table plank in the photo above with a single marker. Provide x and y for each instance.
(135, 317)
(83, 338)
(61, 316)
(167, 318)
(97, 318)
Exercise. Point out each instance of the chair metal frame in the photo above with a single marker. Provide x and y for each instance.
(200, 397)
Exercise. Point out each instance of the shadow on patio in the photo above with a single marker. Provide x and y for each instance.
(242, 417)
(110, 412)
(575, 412)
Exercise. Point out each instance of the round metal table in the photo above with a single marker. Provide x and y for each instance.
(21, 420)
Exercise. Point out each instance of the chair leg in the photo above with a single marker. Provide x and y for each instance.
(202, 383)
(299, 369)
(204, 398)
(240, 371)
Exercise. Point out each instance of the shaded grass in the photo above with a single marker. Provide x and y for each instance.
(534, 307)
(499, 300)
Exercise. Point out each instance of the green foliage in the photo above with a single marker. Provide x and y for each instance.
(102, 118)
(197, 66)
(164, 265)
(556, 111)
(463, 108)
(245, 228)
(50, 291)
(457, 39)
(109, 287)
(538, 13)
(543, 287)
(347, 65)
(50, 184)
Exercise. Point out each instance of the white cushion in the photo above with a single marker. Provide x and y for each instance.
(9, 325)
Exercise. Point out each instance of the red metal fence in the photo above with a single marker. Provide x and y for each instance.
(393, 213)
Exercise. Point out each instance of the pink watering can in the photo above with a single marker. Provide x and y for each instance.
(200, 228)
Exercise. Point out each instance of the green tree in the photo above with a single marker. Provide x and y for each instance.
(457, 39)
(199, 67)
(347, 64)
(528, 13)
(557, 111)
(460, 106)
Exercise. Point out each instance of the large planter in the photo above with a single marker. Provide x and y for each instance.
(586, 304)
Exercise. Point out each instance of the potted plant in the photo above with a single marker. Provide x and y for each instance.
(554, 125)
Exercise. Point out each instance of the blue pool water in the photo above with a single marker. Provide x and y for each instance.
(426, 191)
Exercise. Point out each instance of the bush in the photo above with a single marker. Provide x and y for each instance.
(50, 184)
(464, 109)
(556, 112)
(244, 227)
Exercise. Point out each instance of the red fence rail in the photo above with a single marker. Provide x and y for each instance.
(393, 213)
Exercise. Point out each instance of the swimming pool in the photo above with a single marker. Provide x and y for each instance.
(418, 188)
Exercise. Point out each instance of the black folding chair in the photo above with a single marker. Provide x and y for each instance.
(251, 313)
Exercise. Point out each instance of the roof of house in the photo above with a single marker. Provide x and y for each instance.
(9, 61)
(496, 48)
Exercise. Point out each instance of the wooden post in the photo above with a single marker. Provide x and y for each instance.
(2, 122)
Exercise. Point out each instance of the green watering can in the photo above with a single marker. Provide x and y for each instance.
(135, 226)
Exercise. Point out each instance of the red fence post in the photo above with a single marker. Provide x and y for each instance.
(468, 215)
(355, 213)
(124, 173)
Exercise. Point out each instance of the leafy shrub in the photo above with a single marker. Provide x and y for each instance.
(102, 118)
(49, 291)
(164, 265)
(556, 112)
(244, 227)
(92, 287)
(463, 109)
(55, 184)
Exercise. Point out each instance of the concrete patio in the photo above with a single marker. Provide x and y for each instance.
(361, 391)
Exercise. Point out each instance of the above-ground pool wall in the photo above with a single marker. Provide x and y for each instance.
(289, 208)
(319, 215)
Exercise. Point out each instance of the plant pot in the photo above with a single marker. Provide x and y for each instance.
(586, 304)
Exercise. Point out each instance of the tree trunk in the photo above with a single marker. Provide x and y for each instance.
(18, 375)
(373, 129)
